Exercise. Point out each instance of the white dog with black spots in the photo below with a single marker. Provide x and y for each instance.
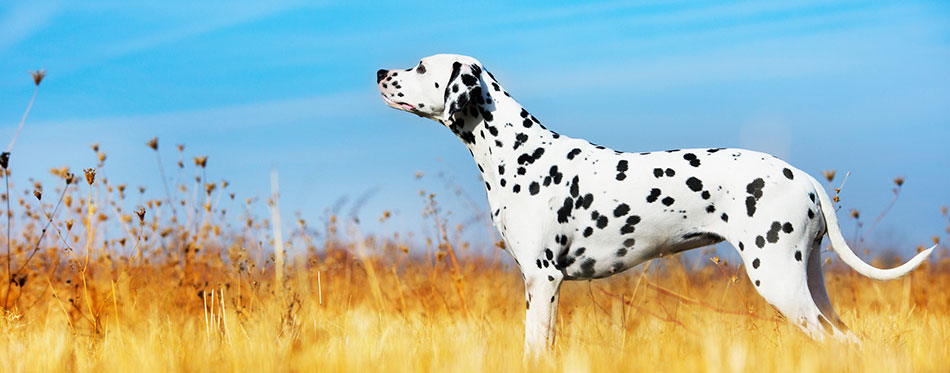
(571, 210)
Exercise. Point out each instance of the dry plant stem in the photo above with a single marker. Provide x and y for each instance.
(6, 179)
(168, 194)
(867, 233)
(49, 221)
(85, 265)
(278, 235)
(444, 237)
(729, 279)
(23, 119)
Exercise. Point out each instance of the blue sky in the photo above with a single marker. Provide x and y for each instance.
(853, 86)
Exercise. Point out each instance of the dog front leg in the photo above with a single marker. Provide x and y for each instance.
(542, 288)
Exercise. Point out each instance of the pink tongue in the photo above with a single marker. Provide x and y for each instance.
(408, 107)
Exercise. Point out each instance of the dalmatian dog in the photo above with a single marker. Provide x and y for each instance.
(571, 210)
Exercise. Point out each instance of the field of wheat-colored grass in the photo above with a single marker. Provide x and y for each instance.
(186, 283)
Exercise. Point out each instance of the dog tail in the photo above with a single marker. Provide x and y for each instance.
(847, 255)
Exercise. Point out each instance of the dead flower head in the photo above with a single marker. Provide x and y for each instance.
(201, 161)
(829, 174)
(38, 76)
(90, 175)
(899, 181)
(141, 213)
(153, 143)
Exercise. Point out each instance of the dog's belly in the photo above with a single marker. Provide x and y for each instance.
(596, 258)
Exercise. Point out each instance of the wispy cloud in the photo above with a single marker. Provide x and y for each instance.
(264, 113)
(23, 19)
(200, 19)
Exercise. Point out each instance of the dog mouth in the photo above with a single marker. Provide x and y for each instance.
(403, 105)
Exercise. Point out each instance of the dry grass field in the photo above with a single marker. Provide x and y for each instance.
(98, 286)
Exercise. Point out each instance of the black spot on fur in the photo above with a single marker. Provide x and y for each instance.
(788, 173)
(798, 256)
(588, 231)
(587, 268)
(693, 161)
(760, 241)
(694, 184)
(621, 252)
(750, 205)
(573, 153)
(588, 199)
(534, 188)
(755, 263)
(565, 211)
(710, 209)
(668, 201)
(787, 227)
(725, 217)
(621, 210)
(658, 172)
(654, 194)
(772, 234)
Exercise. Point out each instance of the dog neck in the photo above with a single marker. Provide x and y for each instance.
(495, 128)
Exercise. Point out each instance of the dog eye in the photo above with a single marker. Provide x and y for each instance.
(421, 69)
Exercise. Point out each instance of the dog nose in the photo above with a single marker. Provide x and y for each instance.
(380, 75)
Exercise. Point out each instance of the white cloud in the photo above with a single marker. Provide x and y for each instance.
(23, 20)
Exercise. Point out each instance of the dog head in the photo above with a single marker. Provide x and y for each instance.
(436, 88)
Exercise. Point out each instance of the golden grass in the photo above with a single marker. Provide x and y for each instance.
(150, 317)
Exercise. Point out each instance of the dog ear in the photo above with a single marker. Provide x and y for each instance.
(464, 82)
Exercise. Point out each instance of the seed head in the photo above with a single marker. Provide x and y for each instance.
(69, 177)
(829, 175)
(95, 147)
(899, 181)
(153, 143)
(201, 161)
(69, 225)
(90, 175)
(855, 213)
(4, 160)
(181, 147)
(141, 213)
(38, 193)
(38, 76)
